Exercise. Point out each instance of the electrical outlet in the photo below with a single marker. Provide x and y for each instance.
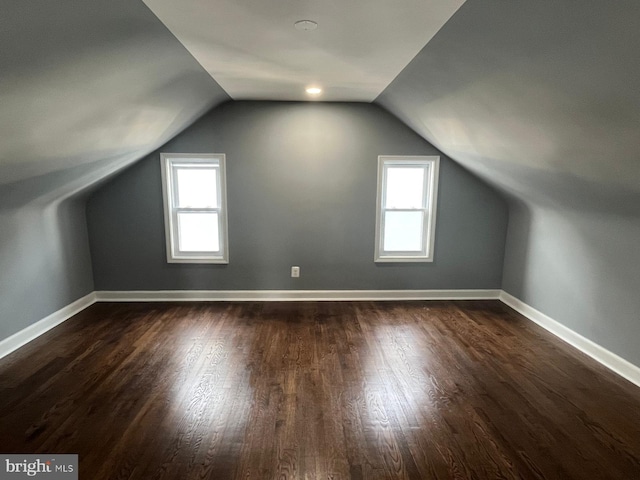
(295, 272)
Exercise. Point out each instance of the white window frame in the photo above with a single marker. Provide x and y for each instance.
(429, 205)
(169, 162)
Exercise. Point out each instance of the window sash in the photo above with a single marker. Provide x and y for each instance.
(425, 219)
(176, 231)
(425, 181)
(176, 167)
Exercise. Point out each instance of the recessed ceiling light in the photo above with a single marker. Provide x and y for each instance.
(305, 25)
(314, 90)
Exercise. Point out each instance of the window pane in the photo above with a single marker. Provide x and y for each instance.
(404, 188)
(197, 187)
(198, 232)
(402, 231)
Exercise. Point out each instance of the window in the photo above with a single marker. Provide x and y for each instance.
(406, 214)
(195, 208)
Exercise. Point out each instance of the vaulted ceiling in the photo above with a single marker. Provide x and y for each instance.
(542, 99)
(88, 87)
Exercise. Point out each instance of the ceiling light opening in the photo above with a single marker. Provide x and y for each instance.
(314, 90)
(305, 25)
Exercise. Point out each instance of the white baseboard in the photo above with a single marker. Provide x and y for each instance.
(34, 330)
(292, 295)
(609, 359)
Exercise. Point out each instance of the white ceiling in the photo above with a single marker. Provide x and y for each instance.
(251, 48)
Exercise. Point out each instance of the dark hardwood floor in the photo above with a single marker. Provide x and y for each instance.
(418, 390)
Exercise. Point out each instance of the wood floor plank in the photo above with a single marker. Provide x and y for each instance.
(317, 390)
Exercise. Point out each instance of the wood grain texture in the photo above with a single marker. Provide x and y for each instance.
(324, 390)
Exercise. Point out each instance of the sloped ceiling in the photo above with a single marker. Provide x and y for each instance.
(87, 87)
(542, 99)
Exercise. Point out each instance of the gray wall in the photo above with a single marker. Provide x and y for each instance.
(44, 260)
(301, 181)
(542, 100)
(580, 268)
